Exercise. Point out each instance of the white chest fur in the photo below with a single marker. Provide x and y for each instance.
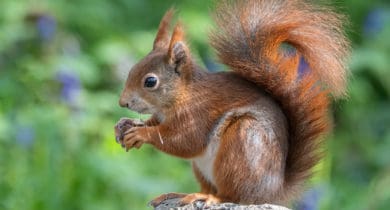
(205, 162)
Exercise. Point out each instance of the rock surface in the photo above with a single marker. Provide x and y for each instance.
(172, 204)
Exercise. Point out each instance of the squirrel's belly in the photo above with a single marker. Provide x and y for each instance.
(205, 162)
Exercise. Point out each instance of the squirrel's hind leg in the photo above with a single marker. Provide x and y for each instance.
(250, 168)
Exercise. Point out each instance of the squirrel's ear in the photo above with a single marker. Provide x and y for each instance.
(178, 52)
(162, 38)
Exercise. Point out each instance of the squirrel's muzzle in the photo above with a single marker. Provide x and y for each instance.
(123, 103)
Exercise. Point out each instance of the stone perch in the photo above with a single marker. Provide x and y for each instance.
(172, 204)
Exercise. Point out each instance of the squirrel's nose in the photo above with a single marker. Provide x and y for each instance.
(123, 103)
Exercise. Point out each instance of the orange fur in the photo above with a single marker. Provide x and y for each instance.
(253, 133)
(162, 36)
(177, 36)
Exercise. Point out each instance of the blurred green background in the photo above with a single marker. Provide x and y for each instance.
(62, 67)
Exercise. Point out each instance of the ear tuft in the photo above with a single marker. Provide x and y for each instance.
(162, 38)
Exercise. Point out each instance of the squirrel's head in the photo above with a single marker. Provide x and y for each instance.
(155, 82)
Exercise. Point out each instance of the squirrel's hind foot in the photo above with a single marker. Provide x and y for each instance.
(185, 199)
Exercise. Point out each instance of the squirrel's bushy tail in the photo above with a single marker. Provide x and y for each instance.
(266, 42)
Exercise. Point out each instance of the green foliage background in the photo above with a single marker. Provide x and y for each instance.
(63, 64)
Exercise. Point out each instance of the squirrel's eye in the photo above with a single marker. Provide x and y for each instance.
(151, 81)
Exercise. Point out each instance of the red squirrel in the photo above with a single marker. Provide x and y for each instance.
(253, 133)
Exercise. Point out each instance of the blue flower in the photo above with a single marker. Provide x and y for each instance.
(71, 86)
(211, 65)
(303, 67)
(374, 22)
(25, 136)
(311, 199)
(46, 26)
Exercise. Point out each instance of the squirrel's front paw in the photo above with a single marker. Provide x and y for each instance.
(135, 137)
(121, 127)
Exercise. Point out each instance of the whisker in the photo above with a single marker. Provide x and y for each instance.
(159, 135)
